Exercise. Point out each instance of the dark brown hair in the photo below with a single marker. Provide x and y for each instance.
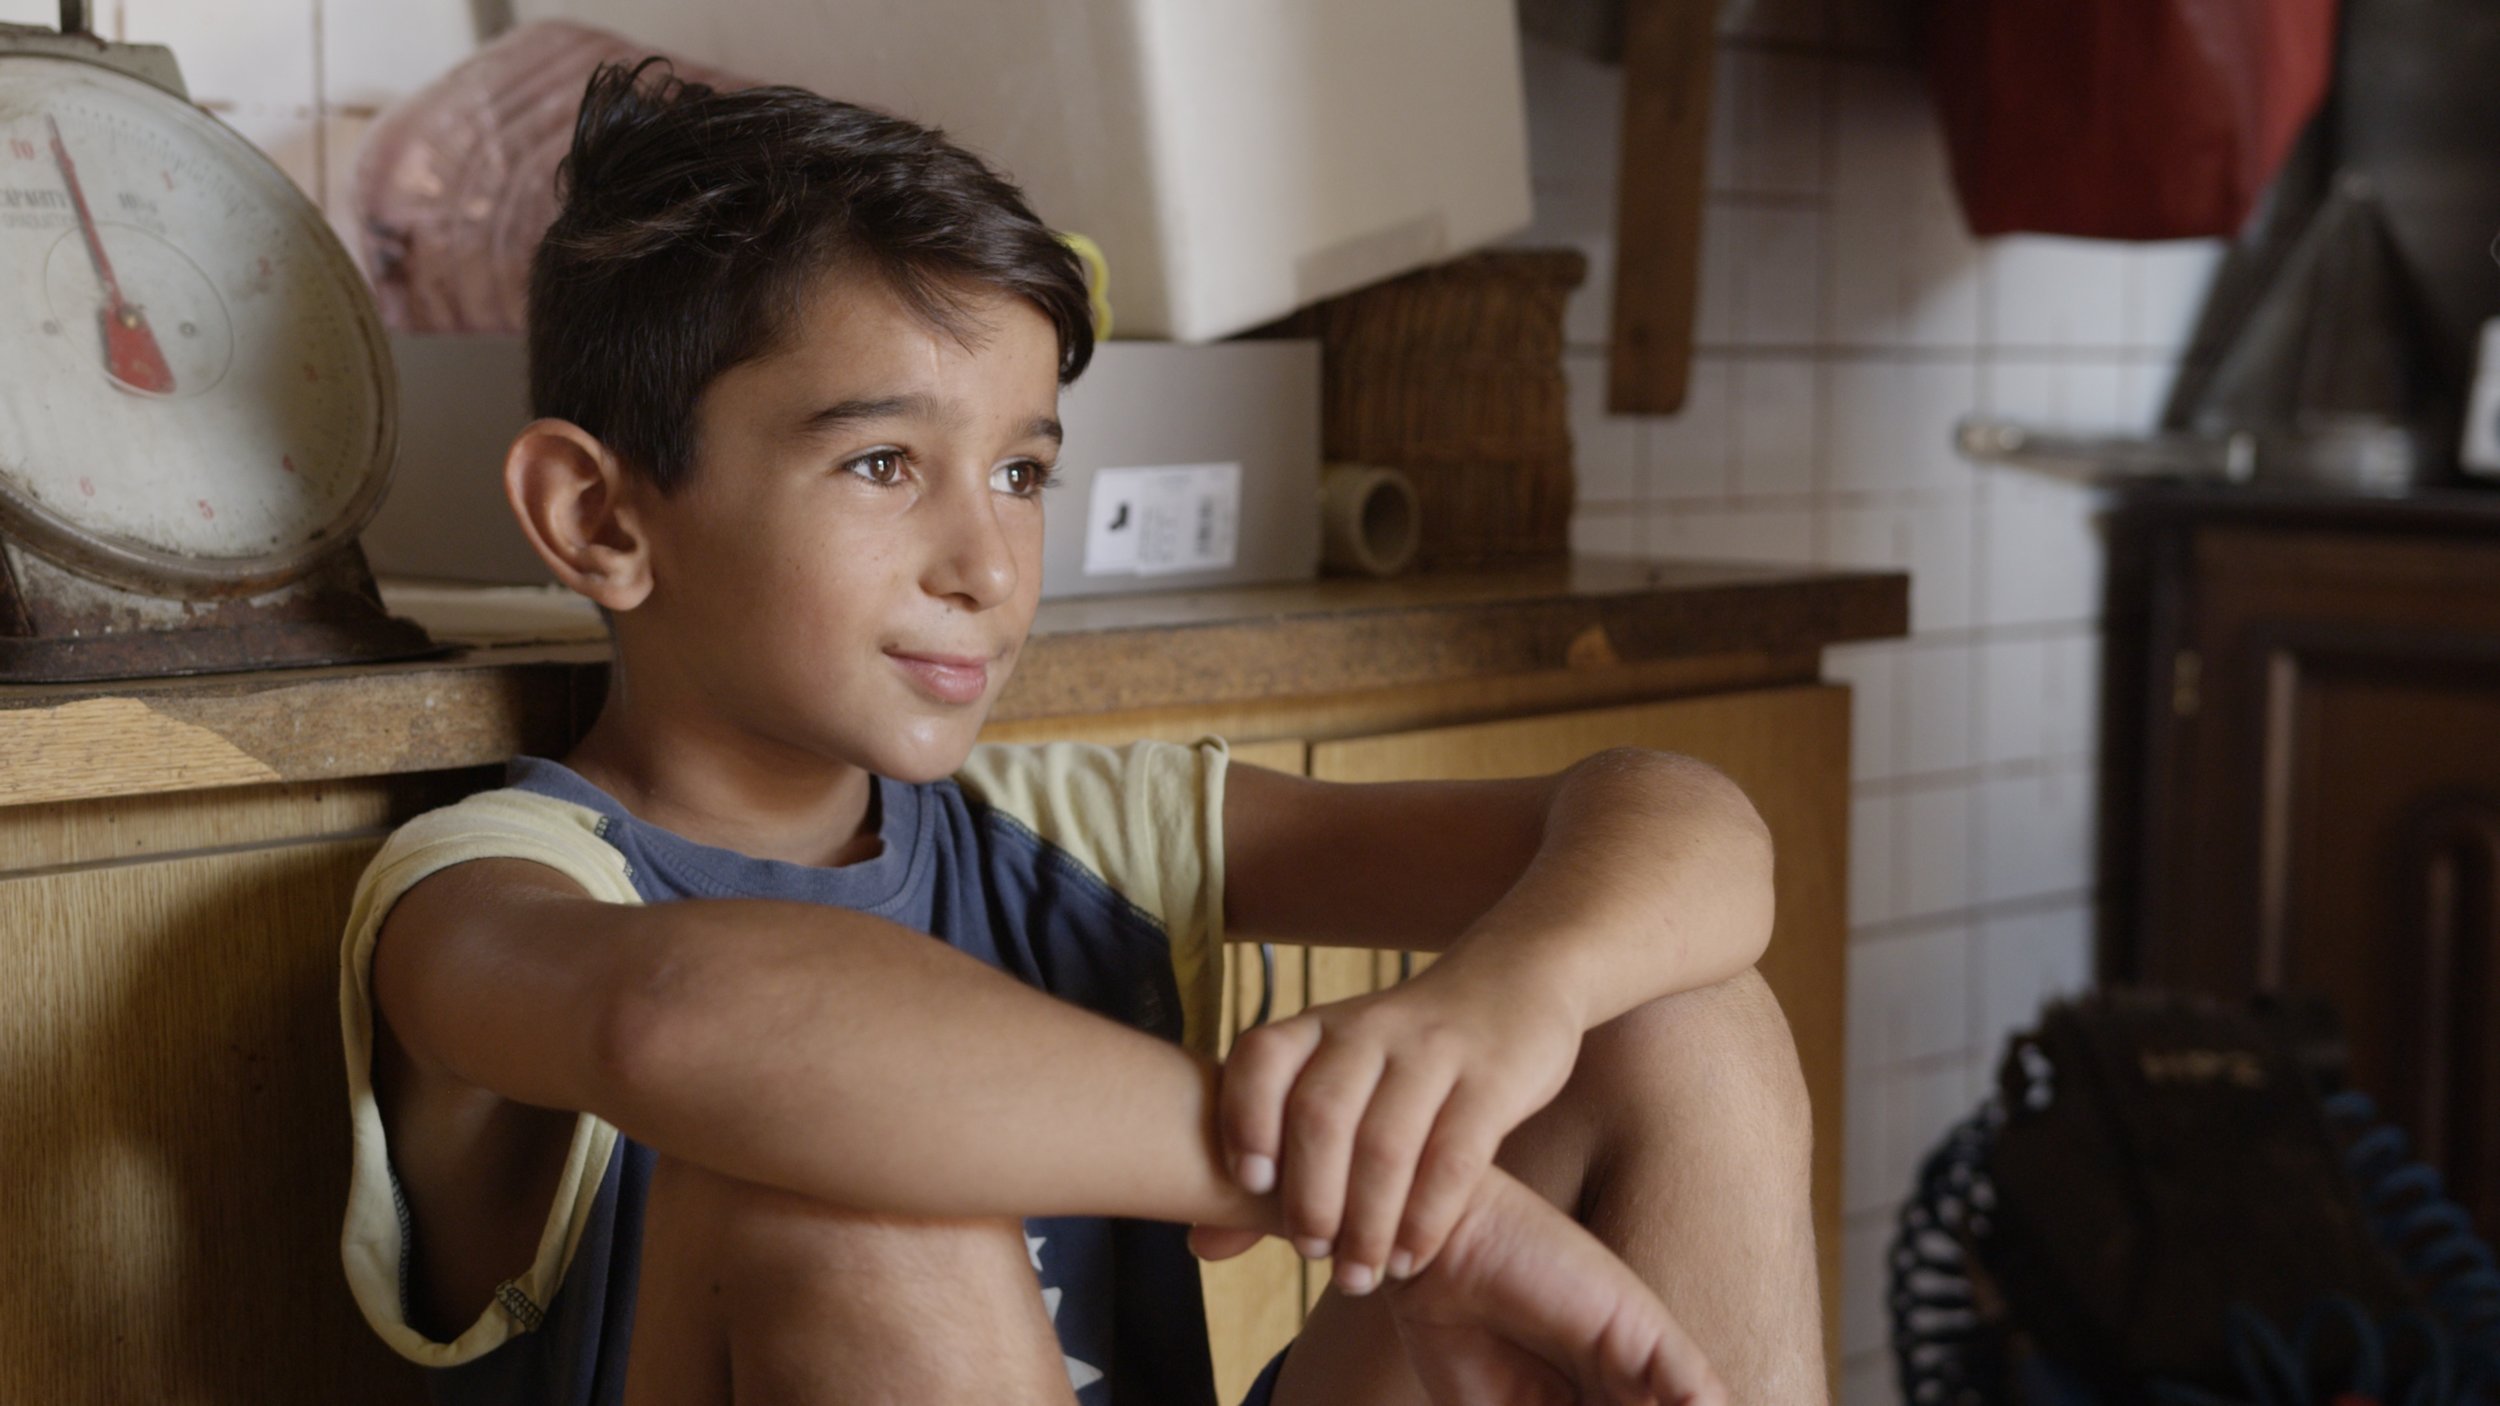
(694, 222)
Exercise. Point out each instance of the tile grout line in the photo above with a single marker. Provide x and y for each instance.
(1900, 929)
(321, 111)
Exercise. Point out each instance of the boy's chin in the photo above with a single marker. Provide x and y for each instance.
(929, 753)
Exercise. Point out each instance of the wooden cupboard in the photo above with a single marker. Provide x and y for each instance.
(176, 858)
(173, 1133)
(2302, 782)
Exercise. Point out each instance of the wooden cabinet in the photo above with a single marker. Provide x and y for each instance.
(2304, 784)
(176, 858)
(173, 1132)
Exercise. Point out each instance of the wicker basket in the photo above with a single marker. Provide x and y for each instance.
(1454, 374)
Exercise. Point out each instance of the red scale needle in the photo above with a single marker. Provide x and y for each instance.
(130, 350)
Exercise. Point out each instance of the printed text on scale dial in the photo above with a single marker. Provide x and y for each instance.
(167, 376)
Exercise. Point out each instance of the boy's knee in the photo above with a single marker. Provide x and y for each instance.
(1722, 1042)
(761, 1238)
(811, 1296)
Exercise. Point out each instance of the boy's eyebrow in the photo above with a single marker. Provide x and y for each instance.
(843, 414)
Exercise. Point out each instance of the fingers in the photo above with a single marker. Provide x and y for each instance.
(1461, 1146)
(1677, 1375)
(1221, 1242)
(1394, 1128)
(1668, 1384)
(1325, 1111)
(1523, 1290)
(1258, 1077)
(1369, 1126)
(1646, 1358)
(1643, 1358)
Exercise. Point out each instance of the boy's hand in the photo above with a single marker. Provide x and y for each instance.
(1523, 1305)
(1382, 1112)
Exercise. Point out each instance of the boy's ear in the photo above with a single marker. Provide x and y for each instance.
(578, 505)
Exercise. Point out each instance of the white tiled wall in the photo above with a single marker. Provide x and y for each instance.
(1847, 320)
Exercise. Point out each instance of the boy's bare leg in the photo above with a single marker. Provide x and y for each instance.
(757, 1297)
(1682, 1142)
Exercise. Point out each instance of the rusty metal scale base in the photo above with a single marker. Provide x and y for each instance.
(57, 626)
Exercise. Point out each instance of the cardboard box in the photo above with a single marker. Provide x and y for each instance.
(1186, 466)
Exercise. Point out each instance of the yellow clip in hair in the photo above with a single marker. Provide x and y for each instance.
(1097, 280)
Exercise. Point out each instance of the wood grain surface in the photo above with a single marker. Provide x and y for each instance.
(173, 1135)
(1536, 637)
(1668, 47)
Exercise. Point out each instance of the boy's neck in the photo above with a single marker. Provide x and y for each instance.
(733, 792)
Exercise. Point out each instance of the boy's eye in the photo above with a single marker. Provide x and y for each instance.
(881, 466)
(878, 466)
(1023, 477)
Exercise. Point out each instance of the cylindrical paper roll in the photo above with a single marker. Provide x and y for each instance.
(1369, 520)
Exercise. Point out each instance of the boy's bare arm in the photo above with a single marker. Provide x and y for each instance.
(1561, 902)
(836, 1055)
(1630, 875)
(818, 1050)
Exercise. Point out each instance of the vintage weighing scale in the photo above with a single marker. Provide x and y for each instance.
(197, 406)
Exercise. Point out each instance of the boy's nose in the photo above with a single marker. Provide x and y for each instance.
(974, 559)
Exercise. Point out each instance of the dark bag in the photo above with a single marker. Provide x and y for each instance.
(2162, 1162)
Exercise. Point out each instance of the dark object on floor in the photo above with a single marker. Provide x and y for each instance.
(2337, 1354)
(2161, 1158)
(2155, 1208)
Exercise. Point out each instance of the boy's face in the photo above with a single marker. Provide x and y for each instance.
(850, 570)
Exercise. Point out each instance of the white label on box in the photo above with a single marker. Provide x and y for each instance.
(1161, 521)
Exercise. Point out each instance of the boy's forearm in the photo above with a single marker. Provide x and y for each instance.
(841, 1056)
(1653, 877)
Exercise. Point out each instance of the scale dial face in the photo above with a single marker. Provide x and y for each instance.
(195, 393)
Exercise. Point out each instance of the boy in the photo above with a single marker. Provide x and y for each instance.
(662, 1092)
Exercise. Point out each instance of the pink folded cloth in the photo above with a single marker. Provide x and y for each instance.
(456, 184)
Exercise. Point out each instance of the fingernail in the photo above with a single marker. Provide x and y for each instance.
(1401, 1264)
(1312, 1247)
(1256, 1173)
(1355, 1278)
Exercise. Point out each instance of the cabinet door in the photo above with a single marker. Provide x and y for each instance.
(173, 1107)
(1789, 749)
(2326, 813)
(176, 1154)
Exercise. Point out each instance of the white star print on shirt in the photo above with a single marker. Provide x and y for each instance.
(1080, 1375)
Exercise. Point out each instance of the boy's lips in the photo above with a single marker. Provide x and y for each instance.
(949, 678)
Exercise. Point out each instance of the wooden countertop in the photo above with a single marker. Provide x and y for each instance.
(528, 667)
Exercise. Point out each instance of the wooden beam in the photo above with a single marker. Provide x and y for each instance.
(1667, 54)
